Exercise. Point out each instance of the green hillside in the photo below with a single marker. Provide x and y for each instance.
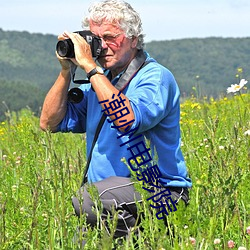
(210, 63)
(28, 57)
(28, 66)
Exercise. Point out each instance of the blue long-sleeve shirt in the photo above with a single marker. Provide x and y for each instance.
(154, 97)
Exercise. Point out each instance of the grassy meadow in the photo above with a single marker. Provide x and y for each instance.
(40, 172)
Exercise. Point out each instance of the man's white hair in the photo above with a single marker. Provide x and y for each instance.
(120, 13)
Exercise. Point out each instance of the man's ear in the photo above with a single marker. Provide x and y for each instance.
(134, 42)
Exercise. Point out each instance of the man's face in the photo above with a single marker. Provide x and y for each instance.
(118, 50)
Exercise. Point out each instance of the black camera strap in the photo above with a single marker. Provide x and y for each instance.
(136, 64)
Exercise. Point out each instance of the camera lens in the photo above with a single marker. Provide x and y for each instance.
(75, 95)
(65, 48)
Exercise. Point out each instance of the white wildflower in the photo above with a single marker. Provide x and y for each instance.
(217, 241)
(247, 133)
(242, 248)
(237, 87)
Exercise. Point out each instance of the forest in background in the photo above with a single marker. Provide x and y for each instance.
(202, 67)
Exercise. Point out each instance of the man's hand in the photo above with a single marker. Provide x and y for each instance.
(83, 54)
(66, 63)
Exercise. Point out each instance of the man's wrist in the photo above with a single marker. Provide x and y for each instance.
(96, 70)
(65, 73)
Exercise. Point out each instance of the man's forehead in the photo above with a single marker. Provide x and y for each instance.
(104, 27)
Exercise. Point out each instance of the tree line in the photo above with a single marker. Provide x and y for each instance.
(202, 67)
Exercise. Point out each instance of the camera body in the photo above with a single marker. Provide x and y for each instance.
(65, 48)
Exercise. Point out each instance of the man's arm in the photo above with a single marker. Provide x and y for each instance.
(55, 103)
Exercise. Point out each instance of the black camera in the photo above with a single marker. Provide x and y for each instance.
(65, 48)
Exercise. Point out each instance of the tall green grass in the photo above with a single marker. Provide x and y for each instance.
(40, 172)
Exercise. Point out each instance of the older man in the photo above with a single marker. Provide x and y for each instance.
(145, 99)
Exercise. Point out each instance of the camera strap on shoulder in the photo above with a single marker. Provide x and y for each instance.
(136, 64)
